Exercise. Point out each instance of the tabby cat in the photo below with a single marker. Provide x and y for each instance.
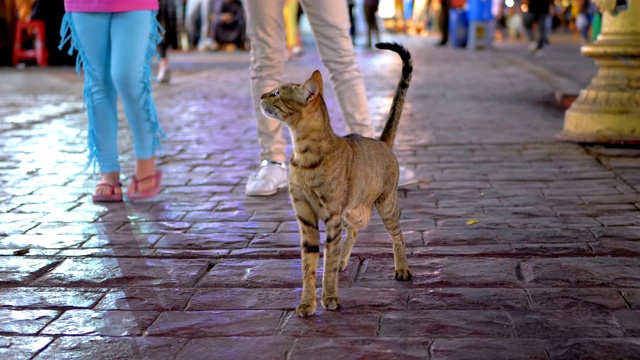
(338, 180)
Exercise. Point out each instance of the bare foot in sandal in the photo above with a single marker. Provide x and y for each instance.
(109, 189)
(145, 182)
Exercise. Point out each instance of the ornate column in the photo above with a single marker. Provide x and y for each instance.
(608, 109)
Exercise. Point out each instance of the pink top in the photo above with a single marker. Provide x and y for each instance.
(109, 5)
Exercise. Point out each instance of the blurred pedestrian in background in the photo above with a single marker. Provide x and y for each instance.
(230, 26)
(443, 22)
(116, 41)
(196, 23)
(352, 20)
(370, 16)
(170, 15)
(584, 19)
(292, 12)
(536, 16)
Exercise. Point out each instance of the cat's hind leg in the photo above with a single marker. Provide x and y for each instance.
(347, 246)
(310, 252)
(355, 219)
(330, 298)
(387, 206)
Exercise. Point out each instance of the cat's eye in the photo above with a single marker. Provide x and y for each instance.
(276, 93)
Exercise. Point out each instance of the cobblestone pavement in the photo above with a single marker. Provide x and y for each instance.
(549, 271)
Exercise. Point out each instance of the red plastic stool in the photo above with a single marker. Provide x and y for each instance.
(39, 52)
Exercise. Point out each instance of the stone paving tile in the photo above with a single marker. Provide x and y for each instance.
(544, 236)
(629, 219)
(190, 254)
(267, 273)
(55, 298)
(156, 227)
(194, 324)
(594, 348)
(632, 297)
(73, 229)
(617, 233)
(446, 323)
(468, 299)
(205, 241)
(488, 349)
(581, 272)
(564, 324)
(145, 298)
(25, 322)
(576, 299)
(119, 241)
(361, 348)
(100, 272)
(87, 347)
(450, 272)
(21, 347)
(19, 241)
(21, 270)
(105, 252)
(574, 249)
(224, 227)
(453, 237)
(630, 321)
(247, 299)
(237, 347)
(469, 250)
(355, 322)
(103, 323)
(594, 210)
(616, 247)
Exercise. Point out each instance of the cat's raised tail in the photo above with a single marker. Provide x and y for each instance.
(389, 133)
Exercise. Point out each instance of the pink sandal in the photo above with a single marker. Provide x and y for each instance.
(112, 197)
(142, 195)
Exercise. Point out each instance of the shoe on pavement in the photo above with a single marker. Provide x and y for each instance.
(406, 177)
(271, 177)
(164, 76)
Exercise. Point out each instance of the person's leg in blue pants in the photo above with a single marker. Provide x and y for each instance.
(115, 53)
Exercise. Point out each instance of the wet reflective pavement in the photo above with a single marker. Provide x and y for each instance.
(522, 247)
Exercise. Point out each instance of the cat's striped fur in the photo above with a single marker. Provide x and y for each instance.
(338, 180)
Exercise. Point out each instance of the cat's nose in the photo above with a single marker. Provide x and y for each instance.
(263, 96)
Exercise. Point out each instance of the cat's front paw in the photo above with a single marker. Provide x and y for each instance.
(305, 310)
(331, 303)
(403, 275)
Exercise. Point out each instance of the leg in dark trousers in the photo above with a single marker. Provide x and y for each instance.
(370, 11)
(444, 22)
(542, 30)
(352, 20)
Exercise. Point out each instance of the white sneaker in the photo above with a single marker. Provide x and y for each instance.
(205, 44)
(406, 177)
(268, 180)
(164, 75)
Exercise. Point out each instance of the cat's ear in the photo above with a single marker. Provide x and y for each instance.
(313, 86)
(318, 78)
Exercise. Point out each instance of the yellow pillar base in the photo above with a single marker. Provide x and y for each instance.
(608, 110)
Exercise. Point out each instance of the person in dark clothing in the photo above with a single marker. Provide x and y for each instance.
(370, 10)
(169, 16)
(443, 22)
(537, 14)
(352, 20)
(230, 25)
